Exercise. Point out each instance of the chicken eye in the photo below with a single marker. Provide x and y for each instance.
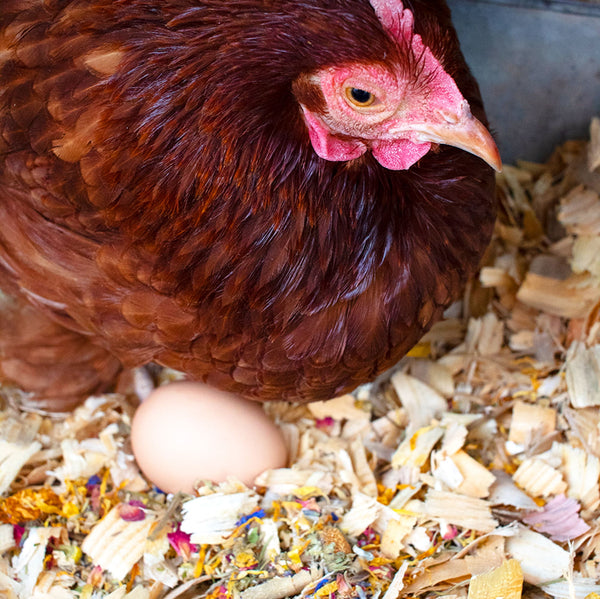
(359, 97)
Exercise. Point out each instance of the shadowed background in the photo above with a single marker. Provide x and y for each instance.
(538, 66)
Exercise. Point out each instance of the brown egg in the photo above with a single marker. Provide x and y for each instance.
(185, 432)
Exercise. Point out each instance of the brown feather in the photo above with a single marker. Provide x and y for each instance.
(160, 199)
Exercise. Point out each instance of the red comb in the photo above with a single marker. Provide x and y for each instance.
(396, 19)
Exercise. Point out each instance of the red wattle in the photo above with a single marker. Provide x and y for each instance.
(399, 154)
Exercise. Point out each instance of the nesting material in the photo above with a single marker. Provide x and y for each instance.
(582, 373)
(559, 519)
(471, 468)
(541, 560)
(13, 456)
(530, 421)
(116, 543)
(505, 581)
(539, 479)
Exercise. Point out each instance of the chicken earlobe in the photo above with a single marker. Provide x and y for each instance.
(328, 146)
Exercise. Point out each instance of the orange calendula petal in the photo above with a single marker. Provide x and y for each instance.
(30, 504)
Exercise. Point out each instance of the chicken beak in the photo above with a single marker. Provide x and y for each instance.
(466, 133)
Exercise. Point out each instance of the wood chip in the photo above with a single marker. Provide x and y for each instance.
(434, 374)
(487, 554)
(211, 518)
(415, 451)
(580, 211)
(392, 541)
(583, 375)
(343, 407)
(505, 581)
(485, 335)
(576, 587)
(421, 401)
(280, 587)
(7, 537)
(477, 479)
(539, 479)
(397, 583)
(362, 514)
(570, 298)
(581, 472)
(530, 421)
(465, 512)
(504, 491)
(117, 545)
(541, 560)
(13, 456)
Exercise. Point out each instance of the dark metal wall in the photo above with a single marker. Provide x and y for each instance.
(538, 65)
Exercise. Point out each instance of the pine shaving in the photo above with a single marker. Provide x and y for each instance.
(541, 560)
(477, 479)
(465, 512)
(581, 472)
(117, 545)
(582, 374)
(539, 479)
(505, 581)
(529, 420)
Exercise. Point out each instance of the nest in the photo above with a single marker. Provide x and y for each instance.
(471, 470)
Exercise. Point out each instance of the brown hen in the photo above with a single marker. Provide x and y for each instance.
(278, 198)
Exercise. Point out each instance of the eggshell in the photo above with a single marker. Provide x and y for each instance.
(185, 432)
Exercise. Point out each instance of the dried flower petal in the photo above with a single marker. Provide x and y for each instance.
(131, 512)
(29, 504)
(559, 519)
(181, 542)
